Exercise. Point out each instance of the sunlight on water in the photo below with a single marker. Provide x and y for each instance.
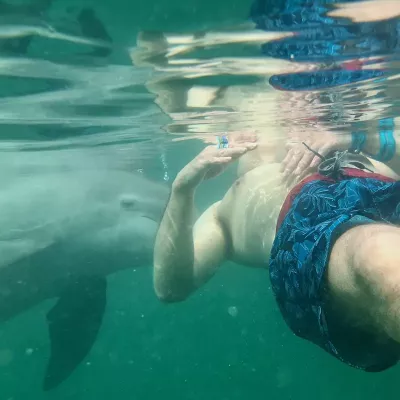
(205, 82)
(102, 99)
(340, 75)
(75, 97)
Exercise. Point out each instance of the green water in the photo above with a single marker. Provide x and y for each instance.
(228, 341)
(193, 350)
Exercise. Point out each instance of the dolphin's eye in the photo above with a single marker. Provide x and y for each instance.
(128, 203)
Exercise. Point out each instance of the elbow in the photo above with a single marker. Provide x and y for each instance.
(171, 292)
(172, 287)
(170, 296)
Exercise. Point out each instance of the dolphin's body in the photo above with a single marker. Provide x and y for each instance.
(67, 221)
(62, 231)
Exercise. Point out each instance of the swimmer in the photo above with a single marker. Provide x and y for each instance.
(331, 244)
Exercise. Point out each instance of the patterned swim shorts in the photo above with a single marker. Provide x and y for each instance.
(315, 213)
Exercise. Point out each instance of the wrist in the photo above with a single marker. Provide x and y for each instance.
(182, 186)
(381, 147)
(357, 142)
(346, 141)
(371, 145)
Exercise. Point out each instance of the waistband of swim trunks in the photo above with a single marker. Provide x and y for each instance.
(346, 173)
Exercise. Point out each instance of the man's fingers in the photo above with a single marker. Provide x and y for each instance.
(213, 155)
(296, 156)
(242, 137)
(304, 163)
(294, 141)
(286, 160)
(315, 162)
(311, 161)
(231, 152)
(323, 151)
(221, 160)
(300, 177)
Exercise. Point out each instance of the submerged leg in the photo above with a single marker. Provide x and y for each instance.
(363, 278)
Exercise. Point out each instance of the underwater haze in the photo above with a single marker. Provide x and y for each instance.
(101, 104)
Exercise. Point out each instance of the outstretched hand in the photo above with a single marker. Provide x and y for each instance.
(212, 161)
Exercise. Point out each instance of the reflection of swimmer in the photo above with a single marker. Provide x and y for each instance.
(324, 39)
(367, 10)
(324, 53)
(333, 261)
(348, 52)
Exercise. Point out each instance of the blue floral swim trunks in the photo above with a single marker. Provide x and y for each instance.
(315, 213)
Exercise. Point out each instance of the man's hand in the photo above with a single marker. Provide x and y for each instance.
(187, 254)
(300, 161)
(212, 161)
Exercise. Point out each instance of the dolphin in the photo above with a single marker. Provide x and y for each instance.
(31, 11)
(22, 22)
(64, 227)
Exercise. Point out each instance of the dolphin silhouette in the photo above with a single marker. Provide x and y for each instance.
(34, 14)
(64, 226)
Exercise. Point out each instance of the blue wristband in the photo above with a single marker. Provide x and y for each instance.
(387, 142)
(391, 147)
(357, 141)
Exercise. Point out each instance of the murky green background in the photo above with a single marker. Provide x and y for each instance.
(227, 341)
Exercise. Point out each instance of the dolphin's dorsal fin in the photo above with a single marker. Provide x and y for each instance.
(74, 323)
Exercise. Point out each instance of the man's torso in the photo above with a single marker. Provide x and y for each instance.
(249, 211)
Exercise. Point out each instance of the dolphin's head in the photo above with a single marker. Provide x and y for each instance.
(142, 207)
(117, 220)
(129, 195)
(126, 210)
(146, 202)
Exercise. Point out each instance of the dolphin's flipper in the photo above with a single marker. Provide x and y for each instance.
(92, 27)
(74, 323)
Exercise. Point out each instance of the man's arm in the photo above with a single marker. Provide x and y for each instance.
(373, 143)
(300, 161)
(186, 254)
